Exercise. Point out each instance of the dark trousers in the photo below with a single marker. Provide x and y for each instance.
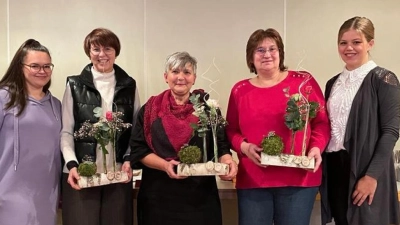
(104, 205)
(338, 166)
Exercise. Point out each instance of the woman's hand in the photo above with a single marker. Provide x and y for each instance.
(233, 168)
(73, 178)
(365, 188)
(252, 151)
(127, 168)
(315, 153)
(169, 169)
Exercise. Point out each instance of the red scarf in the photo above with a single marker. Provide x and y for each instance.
(176, 119)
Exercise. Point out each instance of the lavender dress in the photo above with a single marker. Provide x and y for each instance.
(30, 163)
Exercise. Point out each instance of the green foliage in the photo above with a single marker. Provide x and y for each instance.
(97, 112)
(189, 154)
(314, 106)
(87, 169)
(296, 112)
(208, 114)
(272, 144)
(198, 106)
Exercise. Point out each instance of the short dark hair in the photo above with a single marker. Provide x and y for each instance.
(102, 37)
(14, 78)
(256, 38)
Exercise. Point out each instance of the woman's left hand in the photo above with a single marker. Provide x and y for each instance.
(233, 168)
(315, 153)
(365, 188)
(127, 168)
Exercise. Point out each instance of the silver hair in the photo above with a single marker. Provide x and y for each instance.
(179, 60)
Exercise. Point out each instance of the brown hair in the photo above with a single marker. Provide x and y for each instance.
(14, 79)
(360, 24)
(102, 37)
(256, 38)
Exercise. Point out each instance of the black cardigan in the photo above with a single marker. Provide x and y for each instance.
(371, 134)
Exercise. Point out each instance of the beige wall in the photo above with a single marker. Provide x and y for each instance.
(3, 37)
(207, 29)
(312, 27)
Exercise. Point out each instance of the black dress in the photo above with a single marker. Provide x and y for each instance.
(166, 201)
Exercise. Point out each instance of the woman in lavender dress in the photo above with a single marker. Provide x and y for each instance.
(30, 125)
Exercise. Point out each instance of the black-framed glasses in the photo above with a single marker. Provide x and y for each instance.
(262, 51)
(36, 67)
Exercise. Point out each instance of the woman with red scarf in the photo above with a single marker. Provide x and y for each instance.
(163, 126)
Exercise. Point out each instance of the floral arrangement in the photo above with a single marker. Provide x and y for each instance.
(207, 110)
(104, 131)
(298, 113)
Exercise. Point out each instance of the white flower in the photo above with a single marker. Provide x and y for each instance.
(212, 103)
(198, 111)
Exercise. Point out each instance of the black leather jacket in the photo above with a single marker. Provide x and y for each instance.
(86, 97)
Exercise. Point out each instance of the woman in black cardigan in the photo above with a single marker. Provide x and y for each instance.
(363, 101)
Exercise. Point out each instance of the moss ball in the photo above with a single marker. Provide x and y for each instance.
(87, 169)
(272, 144)
(190, 154)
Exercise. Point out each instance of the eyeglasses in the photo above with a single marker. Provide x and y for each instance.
(36, 67)
(262, 51)
(107, 50)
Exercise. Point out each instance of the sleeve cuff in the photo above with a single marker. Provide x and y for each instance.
(72, 164)
(237, 145)
(126, 158)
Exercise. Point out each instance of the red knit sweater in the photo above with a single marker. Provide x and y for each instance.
(253, 112)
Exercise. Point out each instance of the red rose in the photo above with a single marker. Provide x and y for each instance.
(109, 116)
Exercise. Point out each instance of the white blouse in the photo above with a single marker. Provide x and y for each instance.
(105, 84)
(340, 101)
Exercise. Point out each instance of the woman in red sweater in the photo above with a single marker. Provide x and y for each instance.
(271, 194)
